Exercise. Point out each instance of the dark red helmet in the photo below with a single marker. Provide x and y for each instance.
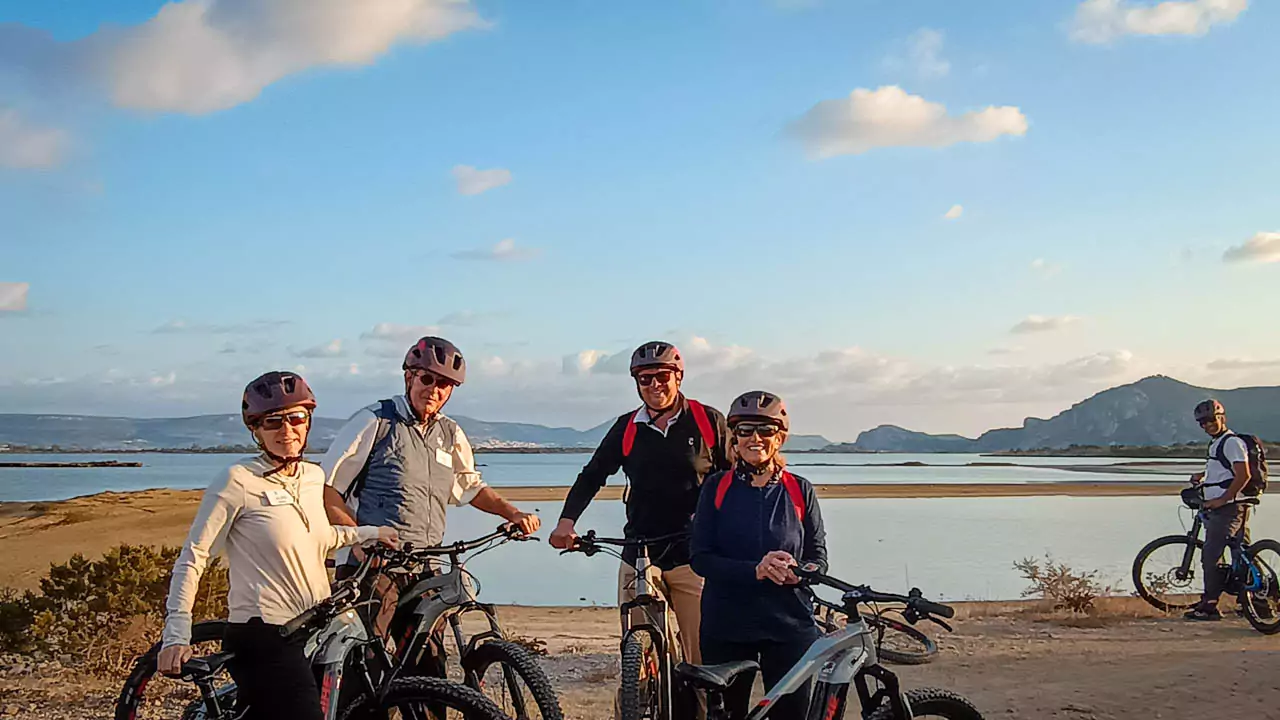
(439, 356)
(656, 354)
(1208, 409)
(759, 406)
(273, 392)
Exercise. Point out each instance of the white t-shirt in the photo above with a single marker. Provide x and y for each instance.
(276, 537)
(1215, 472)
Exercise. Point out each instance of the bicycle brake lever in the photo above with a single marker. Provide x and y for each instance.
(936, 621)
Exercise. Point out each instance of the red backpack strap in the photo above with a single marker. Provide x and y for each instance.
(793, 489)
(722, 489)
(699, 414)
(629, 435)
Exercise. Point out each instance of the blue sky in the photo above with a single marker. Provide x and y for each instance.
(193, 193)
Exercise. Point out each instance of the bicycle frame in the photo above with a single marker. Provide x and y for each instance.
(837, 659)
(650, 602)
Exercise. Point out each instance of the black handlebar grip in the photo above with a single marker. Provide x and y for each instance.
(299, 622)
(933, 608)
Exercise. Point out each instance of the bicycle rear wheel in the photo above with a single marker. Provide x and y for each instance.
(1166, 576)
(1261, 595)
(167, 696)
(640, 695)
(932, 703)
(900, 643)
(424, 698)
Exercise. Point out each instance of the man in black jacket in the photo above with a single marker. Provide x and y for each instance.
(665, 448)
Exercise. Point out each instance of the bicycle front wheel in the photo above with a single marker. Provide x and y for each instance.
(1261, 595)
(900, 643)
(932, 703)
(424, 698)
(511, 677)
(136, 703)
(640, 695)
(1167, 573)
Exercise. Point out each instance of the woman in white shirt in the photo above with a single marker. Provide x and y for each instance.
(267, 512)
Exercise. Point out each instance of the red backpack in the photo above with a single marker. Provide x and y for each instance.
(699, 414)
(788, 481)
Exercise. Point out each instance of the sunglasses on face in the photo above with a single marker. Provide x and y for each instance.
(431, 379)
(1208, 420)
(662, 377)
(275, 422)
(746, 430)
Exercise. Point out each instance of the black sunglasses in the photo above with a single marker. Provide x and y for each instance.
(429, 379)
(662, 376)
(746, 430)
(275, 422)
(1208, 420)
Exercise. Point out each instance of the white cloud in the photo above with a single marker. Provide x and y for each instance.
(13, 296)
(1039, 323)
(1044, 268)
(1101, 21)
(166, 380)
(924, 54)
(330, 349)
(1261, 248)
(201, 56)
(473, 182)
(1242, 364)
(398, 333)
(1004, 350)
(955, 212)
(890, 117)
(24, 146)
(504, 251)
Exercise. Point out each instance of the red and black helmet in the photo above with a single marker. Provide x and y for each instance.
(759, 406)
(1208, 409)
(656, 354)
(272, 392)
(438, 356)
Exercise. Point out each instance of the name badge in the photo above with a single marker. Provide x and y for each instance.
(444, 457)
(278, 497)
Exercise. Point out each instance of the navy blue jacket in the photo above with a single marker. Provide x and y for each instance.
(728, 543)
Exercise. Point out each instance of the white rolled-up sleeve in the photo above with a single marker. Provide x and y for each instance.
(466, 479)
(349, 451)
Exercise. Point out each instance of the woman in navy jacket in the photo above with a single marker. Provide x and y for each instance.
(753, 525)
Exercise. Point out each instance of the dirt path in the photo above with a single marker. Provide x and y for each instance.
(1012, 665)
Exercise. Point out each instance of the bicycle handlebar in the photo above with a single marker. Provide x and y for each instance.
(589, 544)
(859, 594)
(348, 589)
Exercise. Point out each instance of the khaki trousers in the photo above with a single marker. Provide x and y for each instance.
(682, 588)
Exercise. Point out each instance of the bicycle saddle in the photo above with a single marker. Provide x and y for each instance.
(715, 677)
(207, 665)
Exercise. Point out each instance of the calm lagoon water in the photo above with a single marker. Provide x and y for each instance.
(952, 548)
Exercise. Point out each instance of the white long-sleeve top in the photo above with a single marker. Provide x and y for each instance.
(275, 536)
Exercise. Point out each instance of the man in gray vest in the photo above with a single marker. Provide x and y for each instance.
(401, 462)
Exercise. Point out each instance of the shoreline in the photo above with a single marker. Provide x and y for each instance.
(34, 535)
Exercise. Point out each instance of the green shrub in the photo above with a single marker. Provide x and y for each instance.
(102, 613)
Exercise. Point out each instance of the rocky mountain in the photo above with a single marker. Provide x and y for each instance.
(1153, 411)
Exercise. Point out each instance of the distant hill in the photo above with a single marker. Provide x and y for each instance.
(1153, 411)
(204, 431)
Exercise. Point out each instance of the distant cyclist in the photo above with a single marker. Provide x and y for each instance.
(665, 448)
(268, 513)
(754, 524)
(1226, 508)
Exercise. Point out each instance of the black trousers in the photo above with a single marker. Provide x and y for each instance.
(775, 658)
(273, 676)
